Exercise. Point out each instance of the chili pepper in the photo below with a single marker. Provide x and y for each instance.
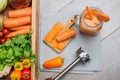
(18, 66)
(54, 63)
(26, 74)
(15, 75)
(26, 63)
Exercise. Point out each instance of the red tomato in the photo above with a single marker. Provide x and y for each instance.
(1, 34)
(5, 31)
(2, 40)
(7, 38)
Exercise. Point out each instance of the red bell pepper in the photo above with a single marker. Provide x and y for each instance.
(26, 74)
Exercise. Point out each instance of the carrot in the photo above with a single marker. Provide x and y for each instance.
(66, 35)
(20, 12)
(15, 22)
(19, 32)
(102, 16)
(90, 16)
(61, 46)
(53, 32)
(54, 63)
(21, 27)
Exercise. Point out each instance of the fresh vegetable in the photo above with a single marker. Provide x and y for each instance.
(1, 67)
(21, 27)
(53, 32)
(1, 34)
(15, 75)
(18, 66)
(20, 12)
(17, 49)
(26, 74)
(61, 45)
(88, 13)
(1, 22)
(54, 63)
(18, 4)
(19, 32)
(2, 40)
(3, 4)
(102, 16)
(15, 22)
(26, 63)
(66, 35)
(5, 31)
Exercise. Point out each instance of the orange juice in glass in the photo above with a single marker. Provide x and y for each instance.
(91, 21)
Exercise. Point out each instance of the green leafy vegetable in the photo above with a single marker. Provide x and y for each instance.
(1, 67)
(15, 50)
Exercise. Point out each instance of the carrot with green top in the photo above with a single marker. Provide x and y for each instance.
(54, 63)
(19, 32)
(20, 12)
(21, 27)
(15, 22)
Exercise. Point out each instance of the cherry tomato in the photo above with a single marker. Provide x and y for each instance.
(1, 34)
(5, 31)
(2, 40)
(7, 38)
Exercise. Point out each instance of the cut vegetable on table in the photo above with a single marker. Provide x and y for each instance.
(60, 35)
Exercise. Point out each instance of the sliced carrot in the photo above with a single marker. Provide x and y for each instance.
(20, 12)
(66, 35)
(61, 45)
(19, 32)
(88, 12)
(53, 32)
(21, 27)
(15, 22)
(102, 16)
(54, 63)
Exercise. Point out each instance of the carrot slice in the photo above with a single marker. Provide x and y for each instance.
(66, 35)
(90, 16)
(53, 32)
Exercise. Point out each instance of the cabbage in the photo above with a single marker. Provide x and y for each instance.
(3, 4)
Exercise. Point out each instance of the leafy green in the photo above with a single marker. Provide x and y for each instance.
(15, 50)
(1, 67)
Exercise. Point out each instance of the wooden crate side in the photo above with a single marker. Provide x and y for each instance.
(35, 26)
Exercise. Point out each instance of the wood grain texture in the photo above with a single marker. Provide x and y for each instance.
(35, 21)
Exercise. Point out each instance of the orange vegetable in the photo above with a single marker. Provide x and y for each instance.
(54, 63)
(15, 22)
(61, 45)
(102, 16)
(66, 35)
(19, 32)
(53, 32)
(15, 75)
(21, 27)
(88, 12)
(20, 12)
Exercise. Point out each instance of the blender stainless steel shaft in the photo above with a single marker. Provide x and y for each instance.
(82, 56)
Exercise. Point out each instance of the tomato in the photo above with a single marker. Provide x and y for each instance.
(2, 40)
(5, 31)
(1, 34)
(7, 38)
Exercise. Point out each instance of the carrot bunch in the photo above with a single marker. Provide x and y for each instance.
(18, 21)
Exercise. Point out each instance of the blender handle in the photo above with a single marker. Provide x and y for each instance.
(77, 19)
(65, 70)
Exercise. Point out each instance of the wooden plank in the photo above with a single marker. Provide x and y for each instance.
(35, 28)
